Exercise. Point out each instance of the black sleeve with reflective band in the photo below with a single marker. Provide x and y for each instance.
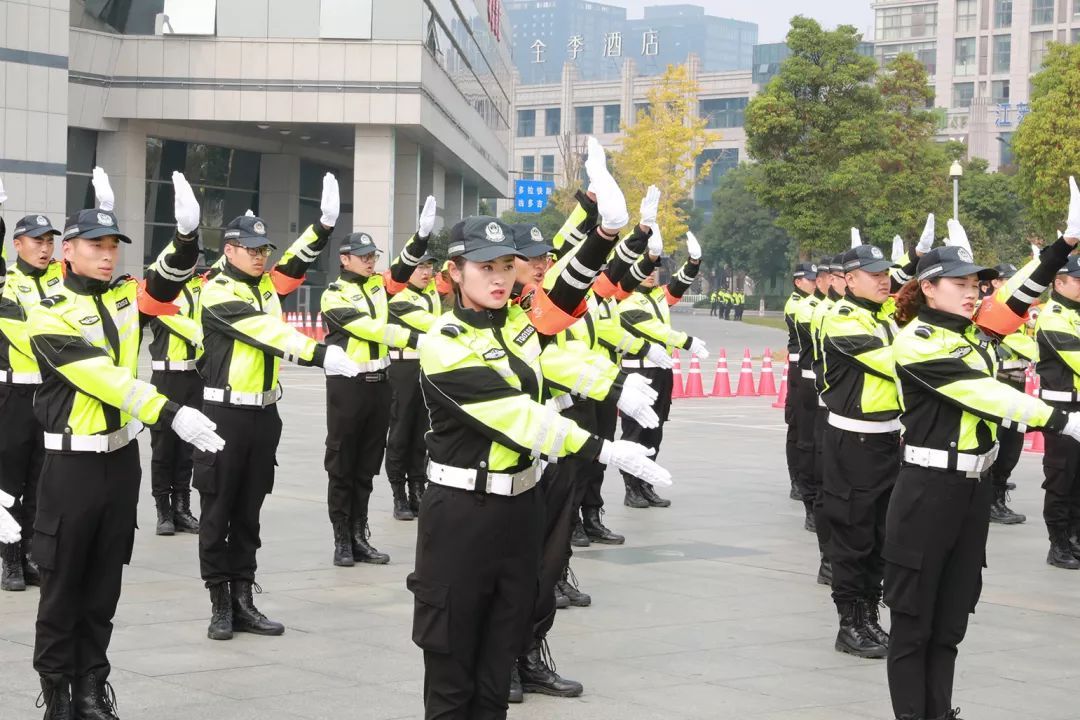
(627, 253)
(640, 270)
(683, 279)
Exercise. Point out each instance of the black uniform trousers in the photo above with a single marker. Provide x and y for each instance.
(607, 419)
(474, 586)
(22, 452)
(357, 417)
(170, 459)
(860, 471)
(821, 525)
(935, 551)
(805, 408)
(662, 381)
(232, 485)
(1061, 483)
(1010, 446)
(791, 417)
(406, 451)
(84, 532)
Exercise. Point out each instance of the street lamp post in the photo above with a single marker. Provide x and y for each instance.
(956, 172)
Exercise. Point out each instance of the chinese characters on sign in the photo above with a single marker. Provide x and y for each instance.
(575, 46)
(1003, 114)
(532, 196)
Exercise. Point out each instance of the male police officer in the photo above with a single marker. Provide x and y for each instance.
(803, 279)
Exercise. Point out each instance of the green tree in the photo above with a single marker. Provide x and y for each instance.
(994, 215)
(549, 220)
(1047, 143)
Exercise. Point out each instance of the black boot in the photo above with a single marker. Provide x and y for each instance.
(651, 497)
(953, 714)
(55, 697)
(183, 520)
(1060, 555)
(794, 493)
(824, 573)
(221, 616)
(538, 675)
(596, 531)
(578, 538)
(246, 617)
(561, 601)
(633, 494)
(1074, 546)
(568, 586)
(853, 637)
(516, 694)
(31, 574)
(402, 511)
(809, 523)
(871, 612)
(362, 550)
(343, 556)
(1001, 513)
(416, 494)
(92, 696)
(165, 524)
(11, 575)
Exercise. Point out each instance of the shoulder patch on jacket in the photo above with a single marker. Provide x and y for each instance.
(961, 351)
(523, 336)
(843, 310)
(333, 286)
(1055, 308)
(53, 300)
(451, 330)
(924, 332)
(494, 354)
(221, 281)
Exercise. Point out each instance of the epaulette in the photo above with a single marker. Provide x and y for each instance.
(843, 310)
(452, 330)
(221, 281)
(924, 331)
(121, 280)
(53, 300)
(333, 286)
(1055, 308)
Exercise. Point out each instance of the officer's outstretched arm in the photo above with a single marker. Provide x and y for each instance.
(640, 323)
(577, 370)
(899, 276)
(613, 336)
(288, 274)
(234, 318)
(846, 336)
(622, 260)
(340, 314)
(411, 314)
(640, 270)
(183, 326)
(397, 279)
(13, 326)
(165, 277)
(578, 225)
(1056, 334)
(89, 369)
(1004, 312)
(1022, 344)
(681, 281)
(462, 383)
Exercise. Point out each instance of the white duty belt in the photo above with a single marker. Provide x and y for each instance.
(493, 483)
(864, 426)
(229, 397)
(173, 365)
(374, 365)
(405, 354)
(638, 364)
(7, 377)
(945, 460)
(1059, 395)
(808, 374)
(793, 357)
(66, 442)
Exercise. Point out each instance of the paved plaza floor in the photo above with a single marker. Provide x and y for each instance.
(710, 610)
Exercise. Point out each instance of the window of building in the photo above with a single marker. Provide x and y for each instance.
(724, 112)
(964, 60)
(723, 160)
(552, 121)
(1076, 9)
(967, 13)
(612, 118)
(999, 92)
(1039, 46)
(528, 167)
(1075, 36)
(640, 108)
(1042, 12)
(547, 168)
(583, 120)
(81, 158)
(903, 23)
(1003, 13)
(526, 123)
(963, 93)
(924, 52)
(1002, 53)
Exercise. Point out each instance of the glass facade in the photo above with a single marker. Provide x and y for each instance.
(612, 118)
(723, 160)
(526, 123)
(1040, 42)
(583, 120)
(131, 17)
(964, 59)
(528, 167)
(724, 112)
(963, 93)
(81, 159)
(905, 23)
(967, 14)
(999, 92)
(924, 52)
(1042, 12)
(552, 121)
(1003, 10)
(1002, 53)
(547, 168)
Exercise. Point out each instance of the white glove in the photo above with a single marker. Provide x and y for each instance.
(856, 238)
(650, 206)
(610, 200)
(194, 427)
(636, 401)
(898, 252)
(632, 458)
(3, 193)
(6, 500)
(656, 242)
(1072, 228)
(426, 224)
(420, 340)
(657, 355)
(106, 199)
(330, 205)
(958, 236)
(1035, 253)
(698, 349)
(10, 532)
(249, 213)
(338, 363)
(926, 240)
(693, 247)
(185, 206)
(1072, 427)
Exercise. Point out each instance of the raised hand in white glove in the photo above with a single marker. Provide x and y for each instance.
(693, 247)
(926, 240)
(106, 199)
(426, 224)
(698, 349)
(6, 500)
(330, 205)
(3, 193)
(856, 238)
(185, 206)
(636, 401)
(656, 242)
(1036, 253)
(1072, 427)
(337, 362)
(657, 355)
(194, 427)
(610, 200)
(958, 236)
(1072, 228)
(10, 532)
(650, 206)
(898, 251)
(632, 458)
(595, 162)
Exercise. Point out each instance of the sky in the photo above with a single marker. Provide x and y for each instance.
(772, 15)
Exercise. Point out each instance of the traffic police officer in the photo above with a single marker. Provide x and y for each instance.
(86, 336)
(802, 279)
(33, 277)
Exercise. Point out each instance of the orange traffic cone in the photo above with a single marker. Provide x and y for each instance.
(289, 320)
(1035, 441)
(766, 383)
(781, 397)
(746, 377)
(320, 329)
(676, 378)
(721, 385)
(1030, 384)
(693, 382)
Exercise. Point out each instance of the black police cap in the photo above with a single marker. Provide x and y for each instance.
(247, 231)
(951, 261)
(358, 243)
(1072, 267)
(866, 257)
(808, 271)
(530, 241)
(481, 238)
(91, 224)
(34, 226)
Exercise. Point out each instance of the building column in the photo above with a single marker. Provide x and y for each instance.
(452, 212)
(373, 184)
(470, 200)
(628, 114)
(122, 154)
(279, 197)
(407, 198)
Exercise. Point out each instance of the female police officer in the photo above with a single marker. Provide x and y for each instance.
(938, 517)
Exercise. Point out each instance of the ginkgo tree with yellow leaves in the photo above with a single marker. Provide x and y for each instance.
(661, 148)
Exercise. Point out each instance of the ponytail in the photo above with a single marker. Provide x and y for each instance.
(909, 301)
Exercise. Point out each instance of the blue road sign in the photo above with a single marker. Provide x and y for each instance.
(532, 196)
